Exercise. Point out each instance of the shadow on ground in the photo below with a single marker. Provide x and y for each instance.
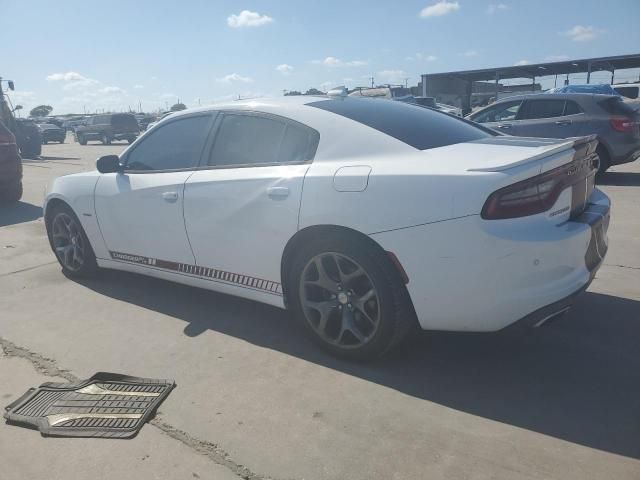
(576, 378)
(19, 212)
(620, 179)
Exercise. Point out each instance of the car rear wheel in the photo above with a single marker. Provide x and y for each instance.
(349, 298)
(81, 139)
(70, 243)
(604, 160)
(106, 140)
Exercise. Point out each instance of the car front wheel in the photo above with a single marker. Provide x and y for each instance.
(70, 243)
(349, 298)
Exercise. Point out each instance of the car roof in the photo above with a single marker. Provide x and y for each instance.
(557, 96)
(348, 137)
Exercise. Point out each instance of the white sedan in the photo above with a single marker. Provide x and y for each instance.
(363, 217)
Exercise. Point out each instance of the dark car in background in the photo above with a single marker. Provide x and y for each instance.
(108, 127)
(52, 133)
(10, 167)
(558, 115)
(28, 137)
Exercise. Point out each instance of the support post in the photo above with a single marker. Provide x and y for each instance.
(424, 85)
(589, 72)
(497, 85)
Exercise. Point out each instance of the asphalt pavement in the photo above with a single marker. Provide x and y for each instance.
(255, 399)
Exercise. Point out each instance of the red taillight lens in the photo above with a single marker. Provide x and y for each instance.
(621, 124)
(531, 196)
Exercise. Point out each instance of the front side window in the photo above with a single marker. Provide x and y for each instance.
(499, 113)
(535, 109)
(173, 146)
(255, 140)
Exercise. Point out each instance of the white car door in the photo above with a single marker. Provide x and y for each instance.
(139, 210)
(241, 207)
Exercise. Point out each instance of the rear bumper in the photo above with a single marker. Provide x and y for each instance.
(474, 275)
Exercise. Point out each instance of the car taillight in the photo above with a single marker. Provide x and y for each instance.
(529, 197)
(621, 124)
(7, 137)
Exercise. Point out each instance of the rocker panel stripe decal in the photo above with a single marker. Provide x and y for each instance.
(202, 272)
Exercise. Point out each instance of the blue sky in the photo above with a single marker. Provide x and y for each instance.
(95, 54)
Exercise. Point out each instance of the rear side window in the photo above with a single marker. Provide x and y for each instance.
(245, 140)
(124, 121)
(616, 106)
(534, 109)
(572, 108)
(173, 146)
(629, 92)
(418, 127)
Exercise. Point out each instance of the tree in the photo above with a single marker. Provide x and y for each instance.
(177, 107)
(292, 93)
(41, 111)
(313, 91)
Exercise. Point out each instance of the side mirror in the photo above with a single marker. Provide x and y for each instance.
(109, 164)
(11, 85)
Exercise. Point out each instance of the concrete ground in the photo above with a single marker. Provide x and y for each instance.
(256, 400)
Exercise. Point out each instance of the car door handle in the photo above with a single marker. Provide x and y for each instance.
(505, 125)
(278, 192)
(563, 122)
(170, 196)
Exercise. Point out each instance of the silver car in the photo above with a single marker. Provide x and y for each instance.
(616, 124)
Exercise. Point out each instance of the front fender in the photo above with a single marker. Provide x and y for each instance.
(77, 191)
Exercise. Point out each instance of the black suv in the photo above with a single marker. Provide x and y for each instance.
(106, 128)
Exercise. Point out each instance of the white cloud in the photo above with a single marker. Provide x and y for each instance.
(72, 80)
(138, 86)
(392, 76)
(67, 77)
(556, 58)
(284, 69)
(470, 53)
(247, 18)
(109, 90)
(580, 33)
(522, 63)
(421, 57)
(439, 9)
(496, 7)
(336, 62)
(234, 78)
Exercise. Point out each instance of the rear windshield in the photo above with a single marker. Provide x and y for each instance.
(419, 127)
(124, 120)
(616, 106)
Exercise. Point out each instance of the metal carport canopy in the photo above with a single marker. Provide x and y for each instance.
(542, 69)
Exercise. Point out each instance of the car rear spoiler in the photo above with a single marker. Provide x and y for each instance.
(587, 143)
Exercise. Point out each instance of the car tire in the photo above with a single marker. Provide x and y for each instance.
(106, 140)
(11, 193)
(31, 149)
(131, 140)
(70, 243)
(604, 160)
(364, 315)
(45, 142)
(81, 139)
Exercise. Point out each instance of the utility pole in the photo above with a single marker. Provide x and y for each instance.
(406, 83)
(371, 81)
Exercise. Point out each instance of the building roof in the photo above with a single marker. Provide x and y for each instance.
(542, 69)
